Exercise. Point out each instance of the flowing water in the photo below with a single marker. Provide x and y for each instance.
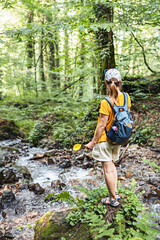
(31, 206)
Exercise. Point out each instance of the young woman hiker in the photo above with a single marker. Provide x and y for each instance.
(102, 150)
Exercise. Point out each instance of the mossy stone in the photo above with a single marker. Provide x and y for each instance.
(53, 226)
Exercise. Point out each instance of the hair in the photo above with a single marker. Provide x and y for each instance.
(113, 92)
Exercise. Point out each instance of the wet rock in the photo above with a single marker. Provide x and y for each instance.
(87, 163)
(1, 176)
(9, 176)
(4, 214)
(58, 184)
(2, 237)
(20, 209)
(8, 235)
(21, 172)
(80, 157)
(1, 207)
(65, 164)
(36, 188)
(7, 198)
(1, 158)
(23, 186)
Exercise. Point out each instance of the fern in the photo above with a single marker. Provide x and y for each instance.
(98, 225)
(64, 196)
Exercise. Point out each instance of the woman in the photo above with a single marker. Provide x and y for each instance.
(102, 150)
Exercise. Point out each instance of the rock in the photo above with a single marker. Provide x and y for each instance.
(58, 184)
(65, 164)
(154, 180)
(9, 176)
(158, 192)
(2, 237)
(158, 156)
(9, 130)
(128, 174)
(133, 147)
(80, 157)
(1, 158)
(23, 186)
(1, 176)
(8, 235)
(21, 172)
(36, 188)
(53, 225)
(7, 198)
(12, 174)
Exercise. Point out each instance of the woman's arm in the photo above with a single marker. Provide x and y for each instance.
(99, 130)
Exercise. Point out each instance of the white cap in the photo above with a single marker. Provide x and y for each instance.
(113, 73)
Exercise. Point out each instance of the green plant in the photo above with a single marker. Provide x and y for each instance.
(153, 164)
(131, 220)
(40, 131)
(141, 135)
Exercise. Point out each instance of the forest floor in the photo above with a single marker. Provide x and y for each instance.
(140, 161)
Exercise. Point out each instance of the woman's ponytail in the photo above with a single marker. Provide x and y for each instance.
(113, 92)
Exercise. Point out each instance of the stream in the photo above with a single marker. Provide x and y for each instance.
(22, 194)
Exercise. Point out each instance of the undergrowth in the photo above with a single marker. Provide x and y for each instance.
(131, 221)
(68, 121)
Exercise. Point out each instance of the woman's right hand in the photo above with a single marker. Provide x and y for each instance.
(90, 145)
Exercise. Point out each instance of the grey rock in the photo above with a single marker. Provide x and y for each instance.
(8, 198)
(65, 164)
(154, 180)
(36, 188)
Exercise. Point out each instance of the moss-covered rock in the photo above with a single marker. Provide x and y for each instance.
(53, 226)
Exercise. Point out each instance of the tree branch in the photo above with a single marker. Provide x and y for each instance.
(143, 52)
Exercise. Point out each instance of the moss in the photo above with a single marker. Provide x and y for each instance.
(54, 226)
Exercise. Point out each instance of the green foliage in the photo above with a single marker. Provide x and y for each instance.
(40, 131)
(141, 135)
(130, 222)
(153, 164)
(63, 196)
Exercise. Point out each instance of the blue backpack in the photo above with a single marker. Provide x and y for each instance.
(122, 126)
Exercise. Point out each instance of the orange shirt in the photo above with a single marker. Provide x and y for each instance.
(106, 109)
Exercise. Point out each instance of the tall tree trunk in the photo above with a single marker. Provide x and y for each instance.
(81, 82)
(66, 58)
(30, 51)
(53, 54)
(105, 42)
(42, 75)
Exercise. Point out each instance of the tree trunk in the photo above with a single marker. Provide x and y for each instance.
(105, 43)
(42, 75)
(30, 51)
(53, 54)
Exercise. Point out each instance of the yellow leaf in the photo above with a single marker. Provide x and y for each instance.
(76, 147)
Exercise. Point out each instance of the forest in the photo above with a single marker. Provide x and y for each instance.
(52, 60)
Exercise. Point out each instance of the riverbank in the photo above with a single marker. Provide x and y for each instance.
(61, 169)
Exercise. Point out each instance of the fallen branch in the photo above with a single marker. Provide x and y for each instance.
(122, 154)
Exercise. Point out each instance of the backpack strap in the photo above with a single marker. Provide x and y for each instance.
(117, 108)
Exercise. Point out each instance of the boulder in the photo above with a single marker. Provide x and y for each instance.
(53, 226)
(12, 174)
